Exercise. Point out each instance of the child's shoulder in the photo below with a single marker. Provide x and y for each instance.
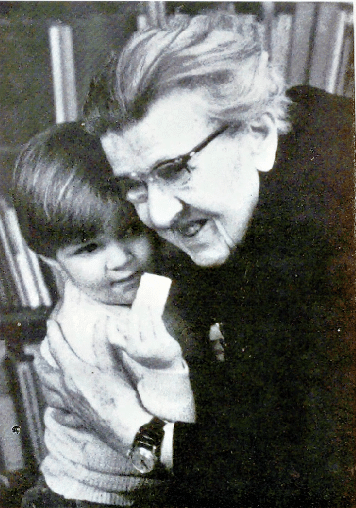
(86, 324)
(77, 316)
(75, 305)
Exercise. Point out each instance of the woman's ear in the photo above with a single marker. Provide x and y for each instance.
(265, 142)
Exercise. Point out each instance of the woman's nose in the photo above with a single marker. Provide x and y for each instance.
(163, 207)
(118, 256)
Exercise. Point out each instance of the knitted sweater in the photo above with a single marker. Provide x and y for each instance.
(84, 462)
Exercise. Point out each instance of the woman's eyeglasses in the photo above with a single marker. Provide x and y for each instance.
(168, 173)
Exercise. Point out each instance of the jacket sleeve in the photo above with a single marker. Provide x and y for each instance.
(261, 427)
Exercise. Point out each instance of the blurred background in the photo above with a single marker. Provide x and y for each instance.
(49, 51)
(312, 42)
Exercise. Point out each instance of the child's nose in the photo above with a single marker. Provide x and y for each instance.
(118, 256)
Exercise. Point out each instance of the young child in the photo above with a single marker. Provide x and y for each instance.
(73, 217)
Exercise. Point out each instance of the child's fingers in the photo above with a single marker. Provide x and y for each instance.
(114, 334)
(104, 332)
(134, 368)
(156, 342)
(141, 326)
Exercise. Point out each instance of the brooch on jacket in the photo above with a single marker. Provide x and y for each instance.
(217, 342)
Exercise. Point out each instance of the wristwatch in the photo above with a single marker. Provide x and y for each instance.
(146, 448)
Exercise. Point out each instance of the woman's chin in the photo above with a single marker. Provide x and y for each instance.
(212, 256)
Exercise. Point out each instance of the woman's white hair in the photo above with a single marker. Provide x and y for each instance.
(221, 53)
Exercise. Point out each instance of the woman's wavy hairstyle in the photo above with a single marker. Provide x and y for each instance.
(63, 190)
(221, 53)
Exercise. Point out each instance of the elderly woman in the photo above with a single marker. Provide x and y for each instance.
(254, 185)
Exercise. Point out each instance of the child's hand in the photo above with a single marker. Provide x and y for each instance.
(145, 338)
(152, 357)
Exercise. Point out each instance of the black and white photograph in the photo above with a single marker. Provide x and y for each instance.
(186, 169)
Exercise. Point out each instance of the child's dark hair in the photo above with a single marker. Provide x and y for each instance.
(63, 190)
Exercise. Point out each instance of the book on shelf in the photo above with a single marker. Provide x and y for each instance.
(301, 38)
(10, 442)
(11, 452)
(30, 394)
(281, 41)
(43, 289)
(20, 255)
(14, 272)
(343, 20)
(23, 264)
(345, 82)
(329, 46)
(9, 295)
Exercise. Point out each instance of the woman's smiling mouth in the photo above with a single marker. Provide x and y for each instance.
(192, 228)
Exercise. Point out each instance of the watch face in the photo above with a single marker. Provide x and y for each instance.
(143, 460)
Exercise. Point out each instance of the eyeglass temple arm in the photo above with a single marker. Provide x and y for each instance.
(183, 159)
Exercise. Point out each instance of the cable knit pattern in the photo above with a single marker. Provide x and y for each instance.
(80, 465)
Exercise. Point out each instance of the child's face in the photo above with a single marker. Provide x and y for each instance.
(106, 268)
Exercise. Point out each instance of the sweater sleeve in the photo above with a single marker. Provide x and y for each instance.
(166, 393)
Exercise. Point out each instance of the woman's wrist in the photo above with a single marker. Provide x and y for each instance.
(167, 446)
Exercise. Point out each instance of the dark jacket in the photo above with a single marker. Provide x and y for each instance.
(274, 419)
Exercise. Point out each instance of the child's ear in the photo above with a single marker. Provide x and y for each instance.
(265, 141)
(51, 262)
(58, 272)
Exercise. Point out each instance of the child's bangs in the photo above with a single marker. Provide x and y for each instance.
(98, 213)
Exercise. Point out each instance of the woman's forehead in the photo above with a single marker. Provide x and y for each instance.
(173, 125)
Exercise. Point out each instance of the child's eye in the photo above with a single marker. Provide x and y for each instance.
(88, 248)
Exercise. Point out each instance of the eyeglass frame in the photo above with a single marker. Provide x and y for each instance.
(181, 161)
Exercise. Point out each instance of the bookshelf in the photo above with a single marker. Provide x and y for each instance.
(311, 42)
(330, 40)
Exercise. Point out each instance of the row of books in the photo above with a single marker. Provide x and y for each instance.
(314, 45)
(22, 285)
(22, 406)
(21, 279)
(23, 289)
(311, 42)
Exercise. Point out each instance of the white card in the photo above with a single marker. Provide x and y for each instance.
(153, 292)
